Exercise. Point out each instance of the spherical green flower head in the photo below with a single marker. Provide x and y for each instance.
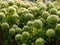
(49, 5)
(18, 30)
(38, 24)
(33, 9)
(39, 4)
(43, 20)
(25, 35)
(22, 11)
(57, 30)
(15, 16)
(5, 26)
(58, 8)
(45, 15)
(58, 13)
(3, 4)
(53, 11)
(25, 10)
(2, 16)
(15, 6)
(50, 33)
(10, 3)
(30, 23)
(58, 27)
(26, 28)
(18, 37)
(3, 10)
(52, 19)
(55, 3)
(24, 44)
(30, 16)
(27, 5)
(14, 26)
(22, 4)
(40, 41)
(43, 7)
(11, 10)
(32, 43)
(12, 31)
(18, 4)
(32, 4)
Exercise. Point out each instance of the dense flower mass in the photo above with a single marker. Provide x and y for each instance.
(28, 23)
